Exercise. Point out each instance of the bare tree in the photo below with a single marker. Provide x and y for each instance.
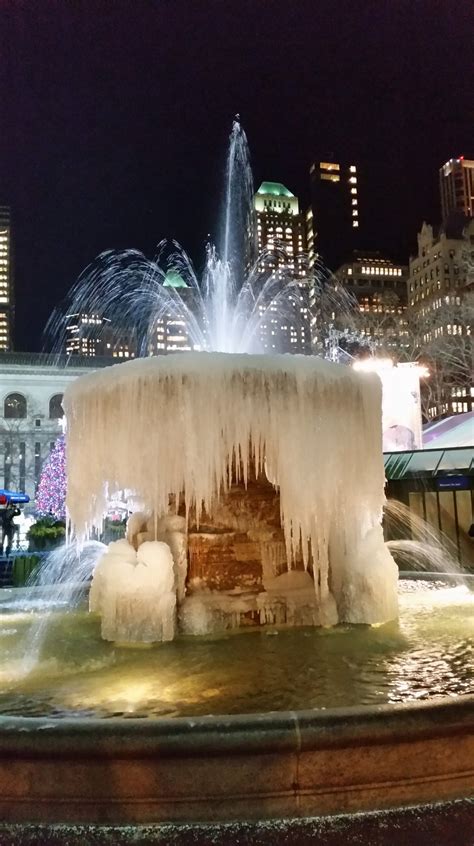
(439, 336)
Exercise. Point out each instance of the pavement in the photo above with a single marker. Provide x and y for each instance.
(441, 824)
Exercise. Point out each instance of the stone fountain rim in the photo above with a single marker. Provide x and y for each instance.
(217, 736)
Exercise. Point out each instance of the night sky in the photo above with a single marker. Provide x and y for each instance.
(114, 118)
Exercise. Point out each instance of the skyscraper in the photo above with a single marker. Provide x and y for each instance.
(456, 185)
(333, 220)
(280, 230)
(6, 280)
(282, 256)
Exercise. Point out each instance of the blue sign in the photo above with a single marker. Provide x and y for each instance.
(454, 483)
(14, 496)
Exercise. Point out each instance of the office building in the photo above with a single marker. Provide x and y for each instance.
(6, 281)
(379, 287)
(456, 185)
(93, 335)
(441, 311)
(281, 240)
(333, 220)
(171, 331)
(282, 258)
(90, 335)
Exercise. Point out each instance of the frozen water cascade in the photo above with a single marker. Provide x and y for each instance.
(182, 426)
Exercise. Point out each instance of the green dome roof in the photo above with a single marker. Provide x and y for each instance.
(274, 188)
(173, 279)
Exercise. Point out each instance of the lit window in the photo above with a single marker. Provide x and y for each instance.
(352, 168)
(355, 224)
(353, 190)
(353, 179)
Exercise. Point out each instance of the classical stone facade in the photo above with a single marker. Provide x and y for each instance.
(441, 312)
(31, 389)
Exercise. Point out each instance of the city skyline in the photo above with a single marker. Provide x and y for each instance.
(117, 123)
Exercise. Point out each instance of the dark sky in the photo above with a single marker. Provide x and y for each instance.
(114, 117)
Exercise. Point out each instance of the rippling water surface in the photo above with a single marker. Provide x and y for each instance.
(427, 652)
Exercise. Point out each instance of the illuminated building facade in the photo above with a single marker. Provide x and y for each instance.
(171, 332)
(90, 335)
(380, 288)
(333, 219)
(456, 185)
(282, 255)
(440, 305)
(6, 281)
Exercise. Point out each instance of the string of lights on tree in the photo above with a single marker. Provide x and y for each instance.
(51, 494)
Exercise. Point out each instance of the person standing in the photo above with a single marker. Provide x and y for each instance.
(7, 516)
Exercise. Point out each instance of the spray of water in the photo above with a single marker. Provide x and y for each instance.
(58, 585)
(418, 545)
(228, 309)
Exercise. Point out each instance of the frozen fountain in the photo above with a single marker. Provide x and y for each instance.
(216, 427)
(254, 570)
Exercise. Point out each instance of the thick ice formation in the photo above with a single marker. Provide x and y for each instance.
(135, 592)
(169, 529)
(182, 423)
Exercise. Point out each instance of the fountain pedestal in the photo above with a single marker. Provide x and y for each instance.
(239, 574)
(241, 541)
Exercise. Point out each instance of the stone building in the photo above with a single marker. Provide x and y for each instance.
(31, 390)
(440, 311)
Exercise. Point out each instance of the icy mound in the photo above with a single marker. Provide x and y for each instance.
(135, 593)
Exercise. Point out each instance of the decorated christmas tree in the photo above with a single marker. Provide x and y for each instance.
(51, 494)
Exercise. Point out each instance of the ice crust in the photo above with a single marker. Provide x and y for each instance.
(167, 425)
